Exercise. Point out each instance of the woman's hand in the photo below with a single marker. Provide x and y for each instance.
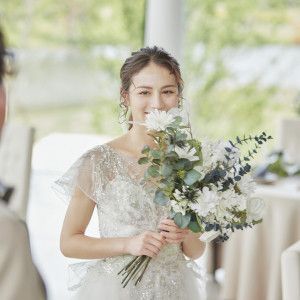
(172, 233)
(148, 243)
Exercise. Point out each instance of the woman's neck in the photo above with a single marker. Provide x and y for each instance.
(138, 137)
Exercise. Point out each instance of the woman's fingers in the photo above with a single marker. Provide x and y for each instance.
(148, 243)
(172, 233)
(169, 225)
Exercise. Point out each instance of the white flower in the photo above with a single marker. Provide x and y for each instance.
(158, 120)
(214, 152)
(246, 184)
(208, 236)
(255, 209)
(177, 195)
(187, 153)
(181, 203)
(206, 202)
(179, 207)
(181, 113)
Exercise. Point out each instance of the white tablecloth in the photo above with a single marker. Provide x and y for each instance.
(251, 258)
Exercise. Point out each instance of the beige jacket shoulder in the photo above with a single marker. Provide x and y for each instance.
(19, 278)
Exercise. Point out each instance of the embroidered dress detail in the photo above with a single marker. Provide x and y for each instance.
(124, 209)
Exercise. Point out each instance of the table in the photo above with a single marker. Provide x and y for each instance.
(251, 258)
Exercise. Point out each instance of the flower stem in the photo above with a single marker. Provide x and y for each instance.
(138, 258)
(133, 271)
(128, 265)
(141, 276)
(143, 264)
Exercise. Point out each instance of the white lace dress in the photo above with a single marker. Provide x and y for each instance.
(125, 209)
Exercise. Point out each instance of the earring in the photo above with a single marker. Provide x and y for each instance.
(180, 102)
(122, 117)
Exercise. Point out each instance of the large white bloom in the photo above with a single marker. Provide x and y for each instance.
(246, 184)
(255, 209)
(158, 120)
(214, 152)
(206, 202)
(187, 153)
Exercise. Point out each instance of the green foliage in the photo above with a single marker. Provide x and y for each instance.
(182, 220)
(153, 171)
(143, 160)
(191, 177)
(160, 198)
(214, 31)
(194, 226)
(73, 23)
(277, 167)
(166, 170)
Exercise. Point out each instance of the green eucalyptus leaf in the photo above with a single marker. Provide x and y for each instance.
(160, 198)
(188, 164)
(153, 171)
(143, 160)
(150, 189)
(156, 153)
(194, 226)
(172, 154)
(191, 177)
(179, 165)
(172, 214)
(180, 136)
(143, 181)
(171, 148)
(177, 120)
(156, 161)
(257, 222)
(165, 181)
(166, 170)
(145, 149)
(173, 125)
(182, 221)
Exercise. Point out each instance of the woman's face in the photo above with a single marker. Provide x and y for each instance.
(152, 88)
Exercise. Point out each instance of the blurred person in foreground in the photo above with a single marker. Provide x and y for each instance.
(2, 71)
(19, 278)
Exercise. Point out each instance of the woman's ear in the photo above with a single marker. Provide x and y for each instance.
(124, 96)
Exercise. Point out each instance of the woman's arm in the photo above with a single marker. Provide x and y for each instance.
(74, 242)
(192, 247)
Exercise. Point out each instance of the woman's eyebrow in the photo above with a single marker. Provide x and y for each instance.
(149, 87)
(169, 85)
(143, 87)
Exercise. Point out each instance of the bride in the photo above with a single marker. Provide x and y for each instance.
(108, 177)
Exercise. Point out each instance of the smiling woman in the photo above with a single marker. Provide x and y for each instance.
(154, 87)
(130, 223)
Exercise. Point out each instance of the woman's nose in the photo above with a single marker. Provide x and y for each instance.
(157, 102)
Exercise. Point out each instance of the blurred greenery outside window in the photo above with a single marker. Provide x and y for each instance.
(68, 55)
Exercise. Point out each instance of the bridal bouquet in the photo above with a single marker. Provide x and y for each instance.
(206, 183)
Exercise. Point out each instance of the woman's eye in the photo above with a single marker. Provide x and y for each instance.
(144, 93)
(168, 92)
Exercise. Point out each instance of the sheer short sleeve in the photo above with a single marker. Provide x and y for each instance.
(87, 173)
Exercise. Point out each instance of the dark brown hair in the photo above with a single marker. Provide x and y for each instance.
(140, 59)
(6, 59)
(2, 54)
